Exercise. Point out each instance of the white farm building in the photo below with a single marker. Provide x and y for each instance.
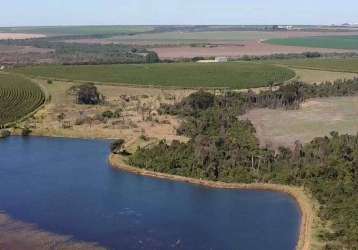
(216, 60)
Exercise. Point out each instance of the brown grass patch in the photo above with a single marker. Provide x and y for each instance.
(133, 124)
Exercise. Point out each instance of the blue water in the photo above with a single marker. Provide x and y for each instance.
(66, 187)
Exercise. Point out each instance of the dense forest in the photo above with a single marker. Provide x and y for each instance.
(224, 148)
(80, 53)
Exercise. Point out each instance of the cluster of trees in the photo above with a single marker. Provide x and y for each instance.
(289, 96)
(304, 55)
(225, 148)
(87, 94)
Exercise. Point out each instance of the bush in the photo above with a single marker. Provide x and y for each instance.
(108, 114)
(117, 147)
(118, 113)
(26, 131)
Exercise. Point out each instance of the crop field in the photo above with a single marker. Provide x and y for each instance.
(18, 97)
(332, 42)
(179, 38)
(218, 37)
(234, 75)
(79, 30)
(339, 65)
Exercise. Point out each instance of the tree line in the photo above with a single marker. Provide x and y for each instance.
(69, 53)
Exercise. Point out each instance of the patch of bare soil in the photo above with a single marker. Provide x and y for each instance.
(171, 38)
(138, 121)
(17, 235)
(316, 117)
(19, 36)
(255, 48)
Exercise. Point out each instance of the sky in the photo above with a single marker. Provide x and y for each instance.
(169, 12)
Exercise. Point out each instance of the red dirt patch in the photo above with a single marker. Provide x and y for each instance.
(249, 48)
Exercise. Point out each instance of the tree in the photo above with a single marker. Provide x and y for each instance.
(152, 57)
(88, 94)
(108, 114)
(61, 117)
(117, 147)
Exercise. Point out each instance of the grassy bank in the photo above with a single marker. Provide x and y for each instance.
(232, 75)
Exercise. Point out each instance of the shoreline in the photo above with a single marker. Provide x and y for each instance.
(303, 201)
(17, 234)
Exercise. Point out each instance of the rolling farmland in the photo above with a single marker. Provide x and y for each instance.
(98, 30)
(18, 97)
(233, 75)
(329, 42)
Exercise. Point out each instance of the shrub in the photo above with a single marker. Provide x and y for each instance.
(118, 113)
(117, 147)
(26, 131)
(108, 114)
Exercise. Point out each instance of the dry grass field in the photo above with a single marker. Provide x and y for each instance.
(317, 117)
(139, 118)
(319, 76)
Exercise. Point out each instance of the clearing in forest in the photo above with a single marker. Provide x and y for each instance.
(317, 117)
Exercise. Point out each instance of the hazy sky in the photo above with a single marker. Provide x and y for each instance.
(77, 12)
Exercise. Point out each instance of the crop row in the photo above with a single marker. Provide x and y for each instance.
(18, 97)
(233, 75)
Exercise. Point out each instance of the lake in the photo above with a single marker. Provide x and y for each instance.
(66, 186)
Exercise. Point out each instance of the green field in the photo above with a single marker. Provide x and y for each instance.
(79, 30)
(339, 65)
(331, 42)
(18, 97)
(233, 75)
